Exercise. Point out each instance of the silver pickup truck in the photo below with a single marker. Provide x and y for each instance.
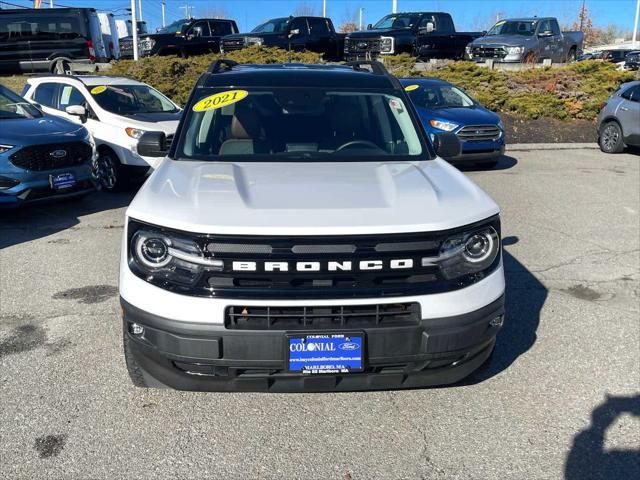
(528, 40)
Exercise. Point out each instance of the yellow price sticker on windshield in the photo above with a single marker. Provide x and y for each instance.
(501, 22)
(220, 100)
(411, 88)
(98, 90)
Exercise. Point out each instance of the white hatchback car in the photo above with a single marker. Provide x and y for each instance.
(116, 111)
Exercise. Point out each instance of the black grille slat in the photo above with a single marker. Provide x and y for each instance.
(317, 318)
(38, 158)
(168, 142)
(489, 52)
(478, 133)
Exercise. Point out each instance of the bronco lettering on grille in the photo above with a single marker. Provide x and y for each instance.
(329, 266)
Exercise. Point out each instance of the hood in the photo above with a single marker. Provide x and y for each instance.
(265, 35)
(160, 117)
(508, 40)
(306, 198)
(460, 115)
(376, 32)
(165, 122)
(46, 129)
(157, 36)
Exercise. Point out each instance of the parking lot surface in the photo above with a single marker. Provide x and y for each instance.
(561, 397)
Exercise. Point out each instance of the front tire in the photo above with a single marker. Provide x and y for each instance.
(60, 67)
(610, 140)
(110, 171)
(571, 56)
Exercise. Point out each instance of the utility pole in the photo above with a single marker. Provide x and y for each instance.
(361, 10)
(50, 3)
(635, 25)
(164, 4)
(394, 6)
(134, 29)
(324, 8)
(187, 11)
(140, 8)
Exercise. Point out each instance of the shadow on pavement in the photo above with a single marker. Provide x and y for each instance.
(525, 297)
(29, 223)
(504, 163)
(588, 459)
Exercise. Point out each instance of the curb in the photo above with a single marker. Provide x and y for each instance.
(525, 147)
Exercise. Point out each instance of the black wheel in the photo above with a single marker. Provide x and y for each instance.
(611, 138)
(571, 56)
(531, 58)
(133, 369)
(109, 171)
(60, 67)
(183, 53)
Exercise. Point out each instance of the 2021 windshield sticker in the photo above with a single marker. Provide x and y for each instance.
(97, 90)
(411, 88)
(220, 100)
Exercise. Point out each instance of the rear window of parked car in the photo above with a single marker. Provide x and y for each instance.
(48, 28)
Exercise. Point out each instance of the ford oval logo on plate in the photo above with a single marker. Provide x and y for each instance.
(58, 153)
(349, 346)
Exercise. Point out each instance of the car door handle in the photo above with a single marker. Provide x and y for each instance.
(624, 109)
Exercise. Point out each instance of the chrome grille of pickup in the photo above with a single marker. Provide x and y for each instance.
(322, 318)
(488, 52)
(365, 48)
(479, 133)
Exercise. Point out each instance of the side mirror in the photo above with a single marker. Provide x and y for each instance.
(447, 145)
(77, 111)
(294, 32)
(152, 144)
(370, 26)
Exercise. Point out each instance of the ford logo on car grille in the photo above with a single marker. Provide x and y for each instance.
(58, 153)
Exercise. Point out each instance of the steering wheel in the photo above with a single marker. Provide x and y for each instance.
(353, 143)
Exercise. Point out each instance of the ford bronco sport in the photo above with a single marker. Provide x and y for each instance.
(303, 235)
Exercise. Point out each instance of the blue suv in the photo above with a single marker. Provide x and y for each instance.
(443, 107)
(41, 157)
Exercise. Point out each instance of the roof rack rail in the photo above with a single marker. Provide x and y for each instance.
(222, 65)
(376, 67)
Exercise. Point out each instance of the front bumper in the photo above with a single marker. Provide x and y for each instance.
(207, 357)
(485, 153)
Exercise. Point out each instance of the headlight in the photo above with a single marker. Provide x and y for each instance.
(163, 258)
(446, 126)
(253, 41)
(386, 45)
(466, 253)
(8, 182)
(134, 132)
(468, 49)
(5, 148)
(515, 50)
(501, 125)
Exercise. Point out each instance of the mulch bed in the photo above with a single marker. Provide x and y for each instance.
(548, 130)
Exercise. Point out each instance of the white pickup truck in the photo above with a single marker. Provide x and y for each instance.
(304, 235)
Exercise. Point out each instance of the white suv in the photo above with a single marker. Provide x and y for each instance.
(303, 234)
(116, 111)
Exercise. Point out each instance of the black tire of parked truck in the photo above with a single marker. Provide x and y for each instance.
(571, 56)
(61, 66)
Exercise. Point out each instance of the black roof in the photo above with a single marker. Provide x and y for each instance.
(298, 75)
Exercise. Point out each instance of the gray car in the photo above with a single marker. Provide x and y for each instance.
(619, 119)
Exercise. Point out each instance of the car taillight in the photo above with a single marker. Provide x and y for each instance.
(92, 52)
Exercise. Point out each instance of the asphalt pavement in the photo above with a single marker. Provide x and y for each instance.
(560, 399)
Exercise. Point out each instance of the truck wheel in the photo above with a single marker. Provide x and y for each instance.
(183, 53)
(60, 67)
(110, 171)
(133, 369)
(610, 140)
(531, 58)
(571, 56)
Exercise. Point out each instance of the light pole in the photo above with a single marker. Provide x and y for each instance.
(635, 24)
(324, 8)
(140, 8)
(394, 6)
(164, 4)
(134, 28)
(361, 10)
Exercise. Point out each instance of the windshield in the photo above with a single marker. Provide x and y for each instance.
(439, 96)
(175, 27)
(277, 25)
(13, 106)
(513, 27)
(131, 99)
(398, 21)
(281, 124)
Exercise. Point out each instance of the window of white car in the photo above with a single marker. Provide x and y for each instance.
(131, 99)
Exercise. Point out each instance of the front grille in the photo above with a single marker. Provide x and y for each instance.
(365, 48)
(322, 318)
(233, 44)
(488, 52)
(49, 157)
(479, 133)
(309, 267)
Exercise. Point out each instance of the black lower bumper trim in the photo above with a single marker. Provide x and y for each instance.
(199, 357)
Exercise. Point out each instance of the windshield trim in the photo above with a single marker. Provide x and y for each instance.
(427, 153)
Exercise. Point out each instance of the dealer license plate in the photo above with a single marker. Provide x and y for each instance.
(62, 181)
(326, 353)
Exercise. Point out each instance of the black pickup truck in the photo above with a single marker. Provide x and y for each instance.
(183, 37)
(422, 34)
(316, 34)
